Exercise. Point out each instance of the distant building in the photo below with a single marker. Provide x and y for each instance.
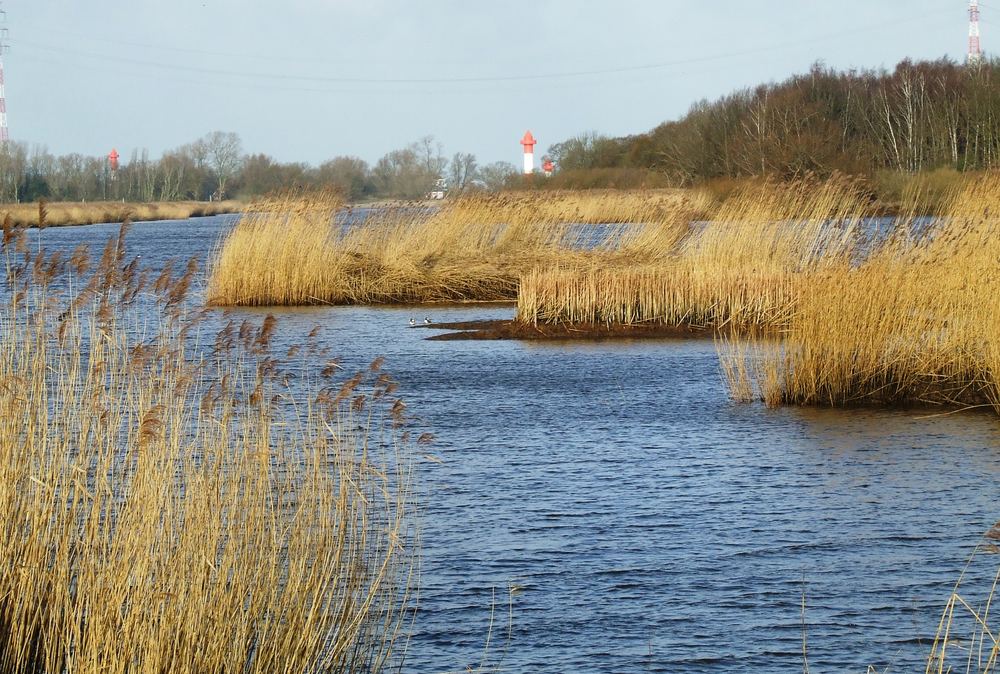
(440, 189)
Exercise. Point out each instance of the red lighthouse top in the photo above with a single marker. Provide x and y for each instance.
(113, 159)
(528, 142)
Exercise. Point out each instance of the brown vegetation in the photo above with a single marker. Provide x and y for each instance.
(163, 510)
(743, 268)
(915, 322)
(59, 214)
(607, 178)
(292, 251)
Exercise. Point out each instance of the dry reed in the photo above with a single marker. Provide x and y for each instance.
(293, 251)
(60, 214)
(743, 268)
(967, 634)
(162, 512)
(916, 322)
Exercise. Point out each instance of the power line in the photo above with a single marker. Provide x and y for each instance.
(101, 39)
(256, 75)
(349, 89)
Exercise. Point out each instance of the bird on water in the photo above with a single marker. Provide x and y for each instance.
(427, 321)
(412, 322)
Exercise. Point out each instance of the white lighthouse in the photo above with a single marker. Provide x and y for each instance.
(528, 142)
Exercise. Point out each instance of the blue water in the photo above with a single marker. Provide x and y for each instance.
(646, 522)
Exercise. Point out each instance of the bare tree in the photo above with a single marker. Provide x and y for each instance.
(495, 176)
(13, 158)
(224, 152)
(461, 170)
(350, 175)
(429, 153)
(410, 173)
(173, 167)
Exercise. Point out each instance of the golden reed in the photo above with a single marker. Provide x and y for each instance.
(744, 268)
(64, 213)
(165, 509)
(291, 250)
(917, 321)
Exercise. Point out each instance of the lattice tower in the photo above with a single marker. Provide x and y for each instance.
(975, 48)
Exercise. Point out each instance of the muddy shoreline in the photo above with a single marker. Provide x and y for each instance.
(511, 329)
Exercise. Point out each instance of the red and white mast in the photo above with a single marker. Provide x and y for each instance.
(975, 48)
(4, 135)
(528, 142)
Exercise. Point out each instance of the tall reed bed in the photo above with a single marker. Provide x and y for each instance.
(743, 268)
(281, 252)
(62, 213)
(170, 509)
(293, 251)
(916, 322)
(656, 295)
(587, 206)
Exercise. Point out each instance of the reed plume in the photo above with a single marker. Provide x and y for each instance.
(155, 516)
(744, 268)
(59, 214)
(913, 322)
(291, 250)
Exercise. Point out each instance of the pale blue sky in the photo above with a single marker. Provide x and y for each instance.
(306, 80)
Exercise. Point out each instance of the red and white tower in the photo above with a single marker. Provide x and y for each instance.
(528, 142)
(4, 135)
(975, 48)
(113, 162)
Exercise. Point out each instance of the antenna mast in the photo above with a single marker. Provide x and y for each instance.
(975, 49)
(4, 135)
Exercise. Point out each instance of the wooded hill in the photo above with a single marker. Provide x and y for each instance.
(920, 116)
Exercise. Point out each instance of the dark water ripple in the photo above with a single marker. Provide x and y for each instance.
(650, 524)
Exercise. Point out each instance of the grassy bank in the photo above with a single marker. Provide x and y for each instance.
(290, 251)
(168, 510)
(60, 214)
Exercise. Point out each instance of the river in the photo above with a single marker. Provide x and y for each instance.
(645, 521)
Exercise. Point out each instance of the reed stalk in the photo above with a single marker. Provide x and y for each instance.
(65, 213)
(287, 250)
(967, 635)
(744, 268)
(166, 509)
(915, 322)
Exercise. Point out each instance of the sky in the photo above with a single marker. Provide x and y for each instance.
(308, 80)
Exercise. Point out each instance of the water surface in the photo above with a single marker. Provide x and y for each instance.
(648, 523)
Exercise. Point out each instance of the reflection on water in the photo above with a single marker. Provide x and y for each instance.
(652, 524)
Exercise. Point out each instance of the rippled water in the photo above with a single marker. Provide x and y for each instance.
(649, 523)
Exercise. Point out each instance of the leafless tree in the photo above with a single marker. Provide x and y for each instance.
(224, 152)
(410, 173)
(462, 170)
(495, 176)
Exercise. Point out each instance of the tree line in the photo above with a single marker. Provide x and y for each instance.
(918, 116)
(216, 167)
